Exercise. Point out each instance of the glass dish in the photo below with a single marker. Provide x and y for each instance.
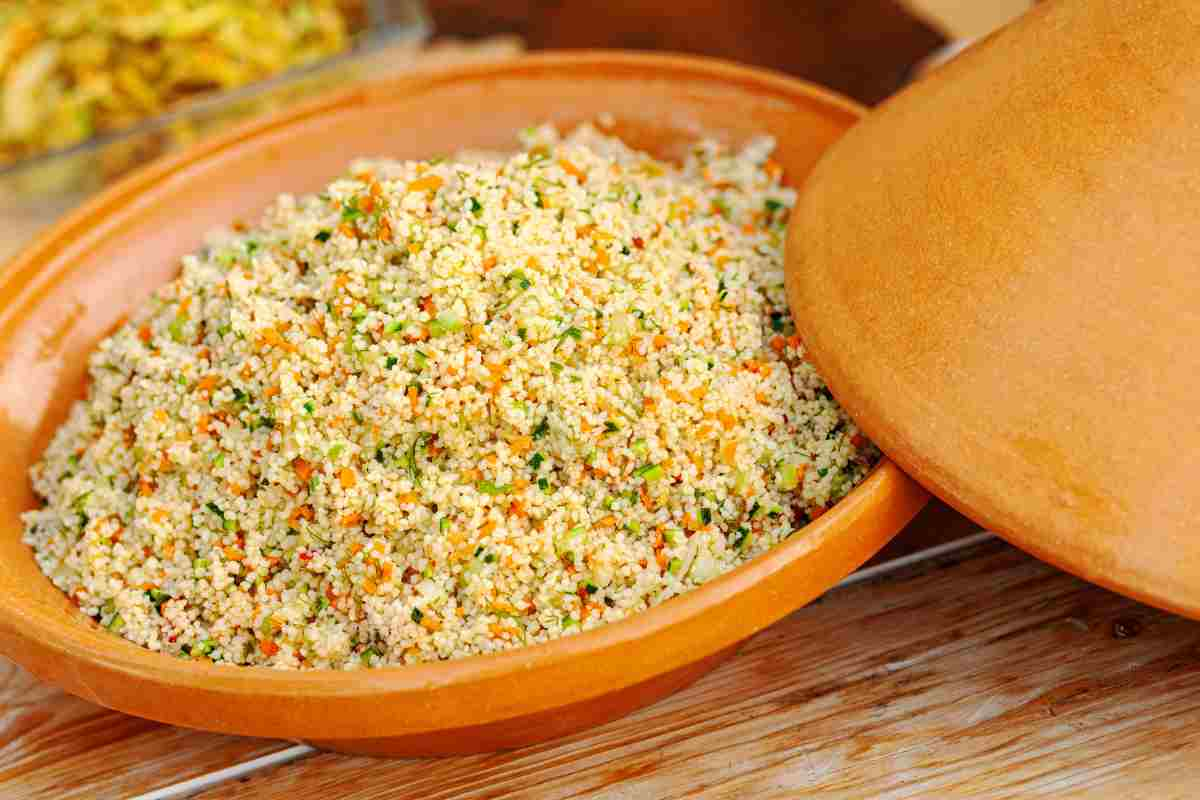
(52, 182)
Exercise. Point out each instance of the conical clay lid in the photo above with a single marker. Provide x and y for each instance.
(998, 272)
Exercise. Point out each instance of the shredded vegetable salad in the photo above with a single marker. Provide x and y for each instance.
(70, 69)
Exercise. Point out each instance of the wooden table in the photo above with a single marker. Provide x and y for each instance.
(980, 673)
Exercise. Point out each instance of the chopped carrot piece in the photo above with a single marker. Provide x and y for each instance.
(778, 344)
(727, 420)
(145, 334)
(268, 647)
(488, 528)
(408, 497)
(352, 520)
(647, 503)
(347, 478)
(521, 444)
(660, 341)
(233, 554)
(429, 183)
(489, 262)
(207, 383)
(271, 391)
(369, 586)
(729, 452)
(271, 337)
(572, 170)
(303, 469)
(301, 512)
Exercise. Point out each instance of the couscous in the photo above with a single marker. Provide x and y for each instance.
(448, 407)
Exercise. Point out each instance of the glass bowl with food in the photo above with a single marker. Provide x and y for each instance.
(90, 89)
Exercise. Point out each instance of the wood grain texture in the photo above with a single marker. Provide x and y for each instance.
(994, 677)
(53, 745)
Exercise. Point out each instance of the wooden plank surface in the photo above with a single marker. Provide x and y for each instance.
(994, 677)
(53, 745)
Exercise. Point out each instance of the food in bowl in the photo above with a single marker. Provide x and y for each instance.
(72, 69)
(448, 407)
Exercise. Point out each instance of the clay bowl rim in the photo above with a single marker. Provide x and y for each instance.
(45, 631)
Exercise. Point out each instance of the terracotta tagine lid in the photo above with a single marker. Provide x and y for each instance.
(998, 272)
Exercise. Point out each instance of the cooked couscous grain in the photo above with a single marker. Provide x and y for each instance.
(446, 408)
